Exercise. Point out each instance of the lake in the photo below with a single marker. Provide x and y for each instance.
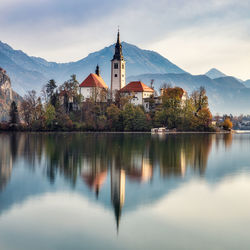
(124, 191)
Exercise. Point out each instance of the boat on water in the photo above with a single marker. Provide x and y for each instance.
(162, 130)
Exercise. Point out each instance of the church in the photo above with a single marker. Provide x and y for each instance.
(94, 87)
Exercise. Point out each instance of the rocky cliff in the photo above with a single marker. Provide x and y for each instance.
(7, 95)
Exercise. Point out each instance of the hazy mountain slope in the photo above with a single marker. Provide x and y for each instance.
(214, 73)
(247, 83)
(225, 95)
(229, 82)
(31, 72)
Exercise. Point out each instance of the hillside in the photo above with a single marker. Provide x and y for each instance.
(32, 73)
(7, 95)
(247, 83)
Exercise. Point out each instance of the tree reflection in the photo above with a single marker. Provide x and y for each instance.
(91, 158)
(6, 161)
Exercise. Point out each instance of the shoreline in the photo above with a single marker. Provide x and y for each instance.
(132, 132)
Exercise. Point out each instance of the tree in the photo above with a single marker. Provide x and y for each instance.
(50, 87)
(188, 117)
(171, 107)
(50, 115)
(113, 115)
(28, 107)
(200, 99)
(69, 90)
(14, 116)
(128, 117)
(161, 118)
(140, 122)
(227, 124)
(205, 118)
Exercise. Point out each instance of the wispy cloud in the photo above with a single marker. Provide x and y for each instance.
(65, 30)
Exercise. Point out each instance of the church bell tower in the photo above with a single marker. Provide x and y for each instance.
(118, 67)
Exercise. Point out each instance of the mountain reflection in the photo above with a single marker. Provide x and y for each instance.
(96, 158)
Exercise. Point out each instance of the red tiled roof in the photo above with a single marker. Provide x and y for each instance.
(93, 80)
(136, 87)
(94, 181)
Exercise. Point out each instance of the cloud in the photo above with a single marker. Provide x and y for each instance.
(199, 49)
(65, 30)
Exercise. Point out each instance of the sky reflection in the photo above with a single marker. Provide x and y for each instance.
(75, 191)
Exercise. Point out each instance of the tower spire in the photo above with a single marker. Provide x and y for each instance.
(97, 70)
(118, 48)
(118, 35)
(118, 72)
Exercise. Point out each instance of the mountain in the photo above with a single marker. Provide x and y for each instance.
(226, 94)
(214, 73)
(247, 83)
(29, 73)
(230, 82)
(7, 95)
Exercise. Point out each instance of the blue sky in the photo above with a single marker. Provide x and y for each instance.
(194, 34)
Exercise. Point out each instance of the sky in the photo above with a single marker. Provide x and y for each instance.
(196, 35)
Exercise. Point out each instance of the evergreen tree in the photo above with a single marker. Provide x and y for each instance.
(14, 116)
(50, 87)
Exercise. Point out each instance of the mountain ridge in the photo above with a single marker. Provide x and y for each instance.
(32, 69)
(29, 72)
(222, 92)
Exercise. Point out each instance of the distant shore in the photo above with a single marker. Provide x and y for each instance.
(133, 132)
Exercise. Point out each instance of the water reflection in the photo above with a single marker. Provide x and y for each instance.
(109, 161)
(6, 161)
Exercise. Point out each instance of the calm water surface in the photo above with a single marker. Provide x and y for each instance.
(124, 191)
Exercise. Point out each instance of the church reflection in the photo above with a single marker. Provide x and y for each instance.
(94, 175)
(114, 160)
(118, 179)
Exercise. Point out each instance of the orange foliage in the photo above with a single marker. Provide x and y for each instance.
(227, 124)
(173, 92)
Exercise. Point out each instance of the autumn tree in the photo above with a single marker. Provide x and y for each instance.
(204, 118)
(169, 114)
(28, 107)
(227, 124)
(114, 117)
(200, 99)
